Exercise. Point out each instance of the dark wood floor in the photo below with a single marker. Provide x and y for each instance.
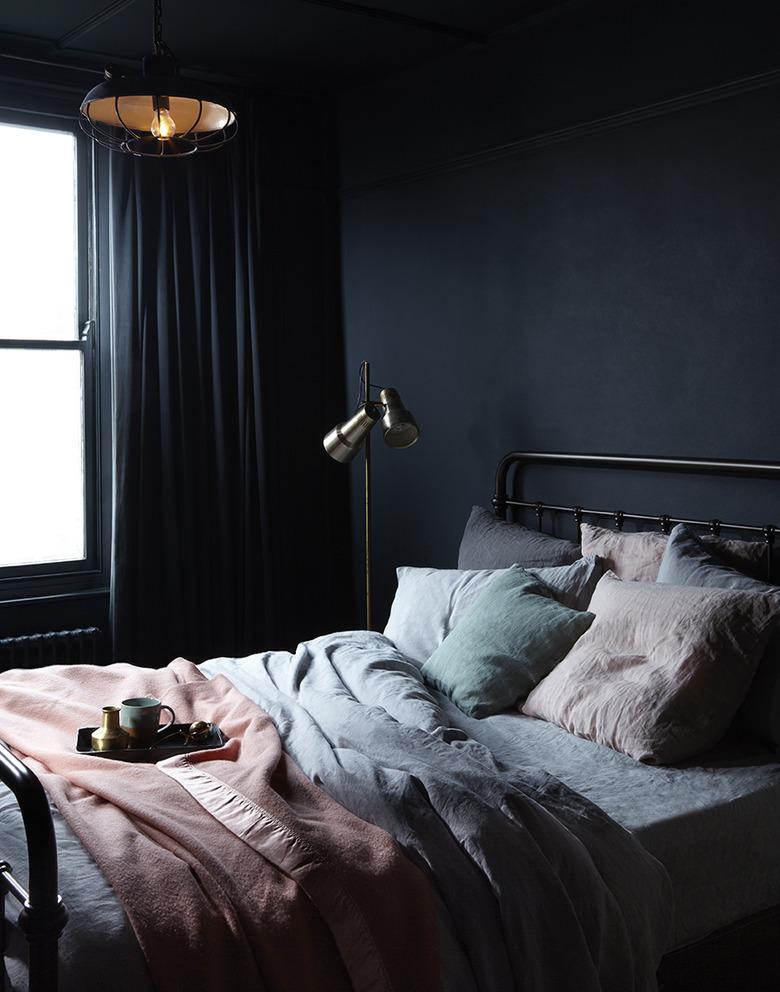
(742, 958)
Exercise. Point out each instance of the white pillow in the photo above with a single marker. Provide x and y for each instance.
(429, 602)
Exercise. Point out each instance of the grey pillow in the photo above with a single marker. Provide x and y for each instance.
(511, 637)
(636, 555)
(489, 542)
(430, 602)
(688, 562)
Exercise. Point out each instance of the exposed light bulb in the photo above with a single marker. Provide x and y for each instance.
(163, 125)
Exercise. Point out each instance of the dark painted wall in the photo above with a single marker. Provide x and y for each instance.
(617, 291)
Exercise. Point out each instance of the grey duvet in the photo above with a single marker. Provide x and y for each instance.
(537, 888)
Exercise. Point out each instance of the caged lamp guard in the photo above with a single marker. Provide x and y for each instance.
(157, 114)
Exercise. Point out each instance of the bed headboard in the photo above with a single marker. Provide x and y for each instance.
(513, 464)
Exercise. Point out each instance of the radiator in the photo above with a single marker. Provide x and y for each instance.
(58, 647)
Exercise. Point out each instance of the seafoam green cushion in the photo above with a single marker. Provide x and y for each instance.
(514, 634)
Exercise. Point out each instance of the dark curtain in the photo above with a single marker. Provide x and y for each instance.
(191, 568)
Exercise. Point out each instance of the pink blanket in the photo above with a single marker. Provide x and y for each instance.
(235, 871)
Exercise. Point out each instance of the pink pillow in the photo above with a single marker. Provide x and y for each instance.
(636, 556)
(662, 670)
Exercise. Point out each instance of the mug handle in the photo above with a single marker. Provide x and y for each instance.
(170, 722)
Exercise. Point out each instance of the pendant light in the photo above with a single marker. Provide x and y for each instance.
(158, 113)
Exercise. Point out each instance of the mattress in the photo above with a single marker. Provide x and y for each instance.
(713, 821)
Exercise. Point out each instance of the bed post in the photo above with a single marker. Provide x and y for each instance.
(43, 916)
(500, 495)
(3, 938)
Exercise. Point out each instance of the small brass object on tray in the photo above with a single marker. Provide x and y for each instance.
(110, 736)
(197, 731)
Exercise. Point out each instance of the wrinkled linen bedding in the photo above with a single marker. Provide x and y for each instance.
(536, 887)
(712, 821)
(235, 870)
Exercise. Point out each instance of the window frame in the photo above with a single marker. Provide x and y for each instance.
(51, 579)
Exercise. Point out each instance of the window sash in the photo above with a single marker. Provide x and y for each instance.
(50, 578)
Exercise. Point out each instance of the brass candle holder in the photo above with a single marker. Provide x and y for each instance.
(110, 736)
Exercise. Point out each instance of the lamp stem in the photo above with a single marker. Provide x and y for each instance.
(367, 508)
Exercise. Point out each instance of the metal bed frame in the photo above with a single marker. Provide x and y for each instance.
(43, 915)
(504, 498)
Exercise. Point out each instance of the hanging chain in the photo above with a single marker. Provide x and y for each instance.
(157, 30)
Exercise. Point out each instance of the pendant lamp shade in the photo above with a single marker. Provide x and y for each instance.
(158, 113)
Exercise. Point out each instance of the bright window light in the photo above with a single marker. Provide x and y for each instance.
(42, 488)
(38, 253)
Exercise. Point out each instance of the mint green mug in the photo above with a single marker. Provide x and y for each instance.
(140, 719)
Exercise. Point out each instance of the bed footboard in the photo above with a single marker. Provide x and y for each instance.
(43, 915)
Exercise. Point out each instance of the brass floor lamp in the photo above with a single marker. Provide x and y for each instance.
(343, 443)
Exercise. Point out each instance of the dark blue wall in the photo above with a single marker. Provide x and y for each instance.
(617, 290)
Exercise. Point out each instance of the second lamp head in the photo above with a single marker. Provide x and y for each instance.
(399, 427)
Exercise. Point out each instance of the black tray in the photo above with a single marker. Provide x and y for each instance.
(150, 755)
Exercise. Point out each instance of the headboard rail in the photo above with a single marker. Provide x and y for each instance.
(518, 460)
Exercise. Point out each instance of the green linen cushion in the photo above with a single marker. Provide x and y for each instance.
(513, 635)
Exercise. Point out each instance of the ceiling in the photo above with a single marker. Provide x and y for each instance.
(289, 44)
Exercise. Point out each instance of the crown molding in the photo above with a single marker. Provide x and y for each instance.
(612, 122)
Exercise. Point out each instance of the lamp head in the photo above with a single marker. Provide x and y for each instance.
(346, 440)
(158, 113)
(399, 426)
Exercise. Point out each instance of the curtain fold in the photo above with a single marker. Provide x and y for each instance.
(191, 555)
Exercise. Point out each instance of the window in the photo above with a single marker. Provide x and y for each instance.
(49, 507)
